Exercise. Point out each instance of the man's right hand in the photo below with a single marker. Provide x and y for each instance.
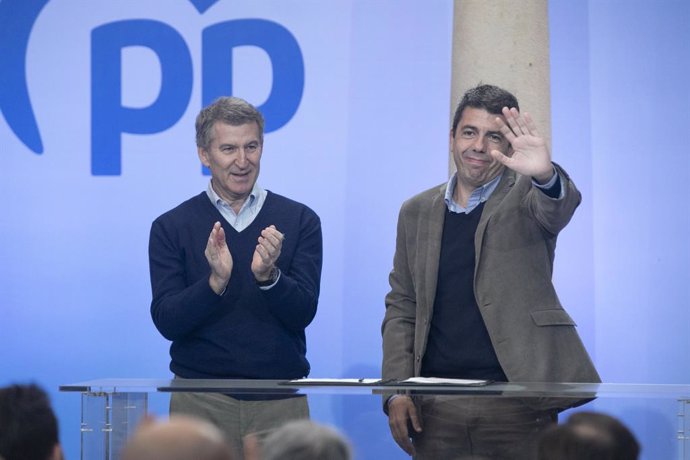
(401, 410)
(219, 259)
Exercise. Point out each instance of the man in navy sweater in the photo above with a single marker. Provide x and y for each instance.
(235, 275)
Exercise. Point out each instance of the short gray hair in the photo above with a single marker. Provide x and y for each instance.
(230, 110)
(305, 440)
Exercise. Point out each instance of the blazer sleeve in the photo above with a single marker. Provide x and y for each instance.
(553, 214)
(398, 328)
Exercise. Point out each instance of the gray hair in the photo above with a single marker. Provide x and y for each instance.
(305, 440)
(230, 110)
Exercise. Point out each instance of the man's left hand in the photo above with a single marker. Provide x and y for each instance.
(530, 155)
(266, 253)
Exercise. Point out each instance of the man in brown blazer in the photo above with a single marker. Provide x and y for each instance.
(471, 292)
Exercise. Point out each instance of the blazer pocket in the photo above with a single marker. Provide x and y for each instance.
(552, 317)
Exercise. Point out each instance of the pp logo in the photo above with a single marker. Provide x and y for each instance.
(109, 118)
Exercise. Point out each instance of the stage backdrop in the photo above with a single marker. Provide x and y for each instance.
(98, 101)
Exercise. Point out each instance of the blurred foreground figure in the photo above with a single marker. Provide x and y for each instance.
(299, 440)
(28, 427)
(591, 436)
(180, 438)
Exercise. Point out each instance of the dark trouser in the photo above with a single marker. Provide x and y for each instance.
(486, 428)
(237, 418)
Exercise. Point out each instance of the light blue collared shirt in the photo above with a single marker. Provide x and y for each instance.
(248, 212)
(478, 196)
(481, 194)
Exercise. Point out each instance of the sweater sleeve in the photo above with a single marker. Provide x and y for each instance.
(176, 309)
(294, 298)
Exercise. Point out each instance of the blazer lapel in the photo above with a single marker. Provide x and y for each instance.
(431, 241)
(490, 207)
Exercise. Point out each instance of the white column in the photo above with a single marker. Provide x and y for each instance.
(504, 43)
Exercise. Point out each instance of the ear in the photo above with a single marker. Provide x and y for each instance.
(146, 421)
(203, 156)
(56, 454)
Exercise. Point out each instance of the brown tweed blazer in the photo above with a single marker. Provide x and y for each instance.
(534, 337)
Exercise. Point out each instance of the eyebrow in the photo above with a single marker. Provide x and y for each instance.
(488, 133)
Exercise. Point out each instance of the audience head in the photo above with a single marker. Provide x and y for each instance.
(305, 440)
(589, 435)
(180, 438)
(28, 426)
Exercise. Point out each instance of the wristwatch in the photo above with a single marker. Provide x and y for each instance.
(273, 277)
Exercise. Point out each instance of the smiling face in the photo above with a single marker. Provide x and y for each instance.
(234, 157)
(476, 135)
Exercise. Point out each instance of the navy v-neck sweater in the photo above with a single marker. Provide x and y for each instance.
(247, 332)
(459, 345)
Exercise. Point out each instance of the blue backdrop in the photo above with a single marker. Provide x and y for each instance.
(96, 139)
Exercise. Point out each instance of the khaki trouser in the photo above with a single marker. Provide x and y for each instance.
(237, 418)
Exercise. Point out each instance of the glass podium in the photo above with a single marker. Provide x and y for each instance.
(112, 408)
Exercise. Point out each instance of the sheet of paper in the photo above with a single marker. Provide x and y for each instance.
(335, 381)
(440, 381)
